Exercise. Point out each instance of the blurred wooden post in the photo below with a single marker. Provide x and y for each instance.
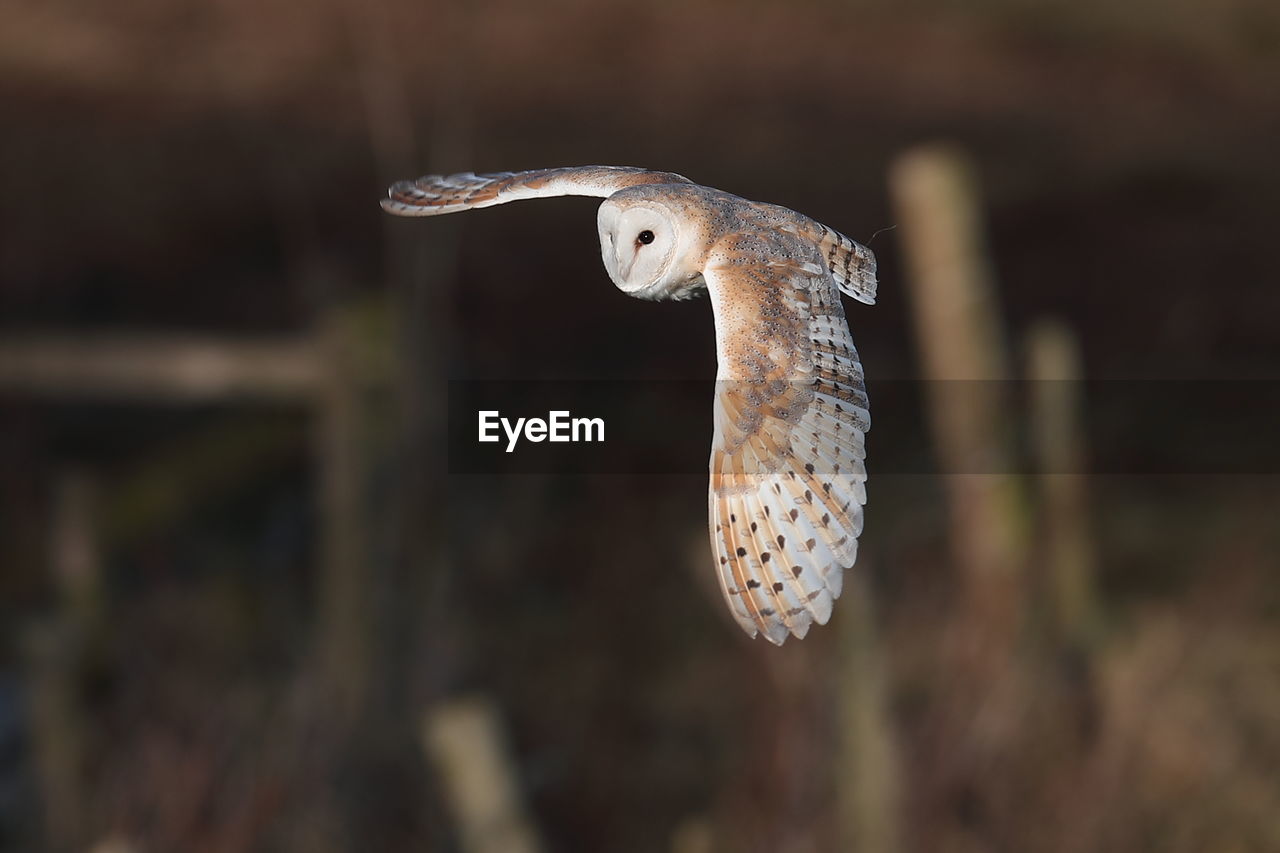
(419, 269)
(868, 776)
(965, 365)
(1055, 374)
(464, 743)
(344, 622)
(57, 730)
(56, 651)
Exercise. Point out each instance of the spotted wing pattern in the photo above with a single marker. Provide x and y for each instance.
(432, 195)
(787, 472)
(851, 264)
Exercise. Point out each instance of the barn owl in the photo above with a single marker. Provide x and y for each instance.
(788, 481)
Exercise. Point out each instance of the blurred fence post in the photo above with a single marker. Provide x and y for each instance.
(868, 775)
(344, 622)
(418, 270)
(966, 370)
(1055, 375)
(56, 652)
(464, 743)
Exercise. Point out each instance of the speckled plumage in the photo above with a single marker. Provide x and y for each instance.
(787, 474)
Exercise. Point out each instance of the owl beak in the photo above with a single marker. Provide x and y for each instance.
(624, 271)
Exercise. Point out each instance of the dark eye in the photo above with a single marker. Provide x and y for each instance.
(645, 236)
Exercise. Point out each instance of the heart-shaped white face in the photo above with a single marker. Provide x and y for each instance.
(642, 249)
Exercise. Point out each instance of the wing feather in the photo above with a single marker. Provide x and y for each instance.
(432, 195)
(851, 264)
(787, 462)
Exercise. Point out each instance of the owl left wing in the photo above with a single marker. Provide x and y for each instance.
(432, 195)
(787, 460)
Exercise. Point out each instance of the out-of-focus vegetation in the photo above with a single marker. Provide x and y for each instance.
(245, 606)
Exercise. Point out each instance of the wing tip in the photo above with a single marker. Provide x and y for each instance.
(777, 633)
(406, 201)
(424, 196)
(396, 207)
(776, 630)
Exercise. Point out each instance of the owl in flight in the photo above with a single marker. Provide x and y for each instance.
(788, 481)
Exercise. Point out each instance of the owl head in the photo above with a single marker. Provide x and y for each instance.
(649, 249)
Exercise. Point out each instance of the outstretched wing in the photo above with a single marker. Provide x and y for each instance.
(787, 473)
(432, 195)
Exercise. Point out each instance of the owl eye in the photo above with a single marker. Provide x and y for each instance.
(645, 236)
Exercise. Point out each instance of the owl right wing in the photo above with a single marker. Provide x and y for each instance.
(432, 195)
(791, 412)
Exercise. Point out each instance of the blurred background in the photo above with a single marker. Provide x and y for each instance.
(246, 606)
